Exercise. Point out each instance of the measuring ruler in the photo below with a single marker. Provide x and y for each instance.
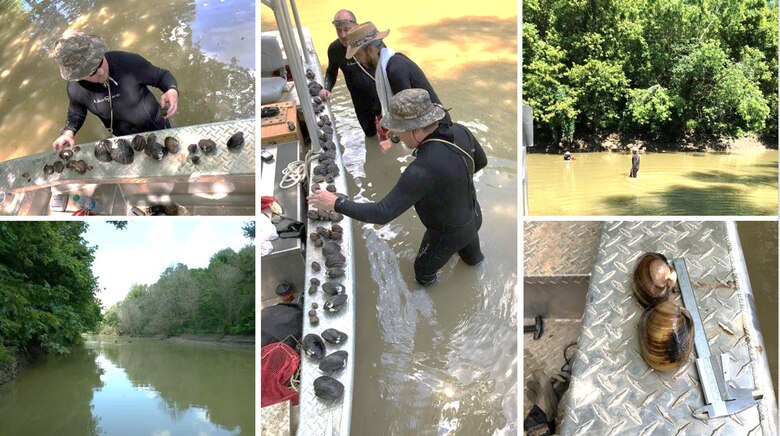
(719, 398)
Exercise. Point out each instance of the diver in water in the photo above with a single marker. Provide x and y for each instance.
(439, 183)
(567, 156)
(634, 162)
(119, 97)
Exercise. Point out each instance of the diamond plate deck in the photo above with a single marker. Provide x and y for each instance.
(317, 414)
(546, 354)
(174, 167)
(275, 420)
(613, 390)
(558, 249)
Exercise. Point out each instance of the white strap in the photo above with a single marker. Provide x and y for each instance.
(364, 70)
(473, 165)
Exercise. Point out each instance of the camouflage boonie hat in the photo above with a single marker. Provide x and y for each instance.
(78, 54)
(411, 109)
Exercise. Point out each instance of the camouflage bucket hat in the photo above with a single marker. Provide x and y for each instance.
(78, 54)
(411, 109)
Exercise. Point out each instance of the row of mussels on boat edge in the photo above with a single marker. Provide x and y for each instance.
(123, 151)
(326, 387)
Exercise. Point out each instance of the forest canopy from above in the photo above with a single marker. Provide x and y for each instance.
(659, 69)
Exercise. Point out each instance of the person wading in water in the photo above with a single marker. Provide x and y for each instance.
(634, 162)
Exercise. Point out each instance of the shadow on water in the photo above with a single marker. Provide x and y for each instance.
(38, 402)
(683, 200)
(215, 85)
(729, 178)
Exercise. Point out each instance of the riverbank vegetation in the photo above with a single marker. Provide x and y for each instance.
(217, 299)
(47, 289)
(660, 70)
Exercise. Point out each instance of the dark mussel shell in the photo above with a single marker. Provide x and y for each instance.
(331, 248)
(103, 150)
(194, 159)
(313, 346)
(151, 138)
(172, 145)
(58, 166)
(236, 141)
(335, 261)
(66, 154)
(316, 267)
(666, 336)
(155, 150)
(654, 279)
(328, 388)
(192, 148)
(333, 288)
(335, 303)
(48, 170)
(335, 272)
(123, 152)
(78, 166)
(139, 142)
(207, 146)
(334, 336)
(334, 361)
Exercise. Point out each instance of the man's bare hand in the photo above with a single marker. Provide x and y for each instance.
(172, 99)
(67, 139)
(323, 200)
(324, 94)
(385, 145)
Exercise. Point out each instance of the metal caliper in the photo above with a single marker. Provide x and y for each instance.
(720, 399)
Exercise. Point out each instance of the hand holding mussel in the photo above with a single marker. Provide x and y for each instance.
(666, 336)
(654, 279)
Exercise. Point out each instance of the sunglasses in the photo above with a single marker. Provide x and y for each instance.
(98, 67)
(343, 23)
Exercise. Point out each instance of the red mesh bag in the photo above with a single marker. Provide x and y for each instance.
(381, 131)
(278, 363)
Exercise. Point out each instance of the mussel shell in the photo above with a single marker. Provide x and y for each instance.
(335, 303)
(78, 166)
(66, 154)
(58, 166)
(138, 143)
(192, 148)
(666, 336)
(103, 150)
(334, 361)
(335, 272)
(316, 267)
(207, 146)
(48, 170)
(194, 159)
(333, 288)
(155, 150)
(328, 388)
(313, 346)
(172, 144)
(330, 248)
(334, 336)
(652, 270)
(236, 141)
(123, 152)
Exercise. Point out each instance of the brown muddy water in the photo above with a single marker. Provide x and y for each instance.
(759, 244)
(208, 46)
(134, 386)
(443, 359)
(742, 182)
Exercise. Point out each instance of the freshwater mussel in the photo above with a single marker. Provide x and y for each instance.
(207, 146)
(78, 166)
(172, 144)
(192, 148)
(103, 150)
(313, 346)
(335, 272)
(48, 170)
(154, 149)
(66, 154)
(328, 388)
(654, 279)
(58, 166)
(335, 303)
(316, 267)
(138, 143)
(122, 152)
(236, 141)
(333, 288)
(334, 336)
(334, 361)
(666, 336)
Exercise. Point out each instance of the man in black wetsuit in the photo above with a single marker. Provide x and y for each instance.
(393, 72)
(120, 98)
(439, 183)
(359, 80)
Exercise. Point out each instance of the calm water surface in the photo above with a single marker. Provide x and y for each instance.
(207, 46)
(674, 183)
(759, 244)
(134, 387)
(439, 360)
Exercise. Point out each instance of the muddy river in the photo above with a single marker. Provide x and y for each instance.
(112, 386)
(207, 46)
(439, 360)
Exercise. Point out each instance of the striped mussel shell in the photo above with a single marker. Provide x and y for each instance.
(654, 279)
(666, 336)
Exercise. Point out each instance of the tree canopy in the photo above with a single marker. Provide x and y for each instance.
(216, 299)
(662, 68)
(47, 289)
